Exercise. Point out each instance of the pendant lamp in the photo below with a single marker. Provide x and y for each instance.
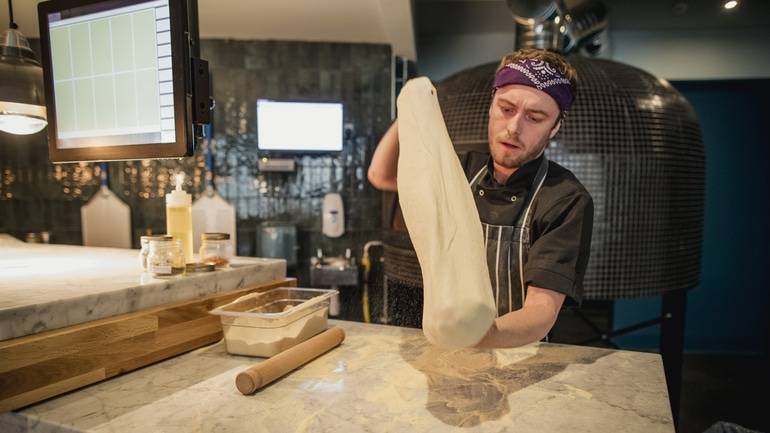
(22, 99)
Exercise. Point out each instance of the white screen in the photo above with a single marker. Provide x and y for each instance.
(299, 126)
(112, 76)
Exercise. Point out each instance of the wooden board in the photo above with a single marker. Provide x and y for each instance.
(106, 221)
(212, 213)
(40, 366)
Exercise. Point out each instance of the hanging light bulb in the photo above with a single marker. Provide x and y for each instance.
(22, 100)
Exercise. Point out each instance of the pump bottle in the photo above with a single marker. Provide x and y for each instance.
(179, 216)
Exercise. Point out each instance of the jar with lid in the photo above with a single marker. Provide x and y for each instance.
(166, 258)
(145, 251)
(216, 249)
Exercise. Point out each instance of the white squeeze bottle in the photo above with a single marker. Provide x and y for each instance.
(179, 216)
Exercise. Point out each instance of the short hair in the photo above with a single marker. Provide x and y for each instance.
(554, 59)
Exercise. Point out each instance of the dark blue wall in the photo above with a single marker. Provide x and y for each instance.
(728, 311)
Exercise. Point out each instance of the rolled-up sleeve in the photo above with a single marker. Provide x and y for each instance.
(558, 255)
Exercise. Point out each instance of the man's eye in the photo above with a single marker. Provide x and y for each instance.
(535, 119)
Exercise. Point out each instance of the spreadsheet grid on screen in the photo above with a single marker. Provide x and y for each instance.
(112, 76)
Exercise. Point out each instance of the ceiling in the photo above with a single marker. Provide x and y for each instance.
(400, 22)
(436, 17)
(365, 21)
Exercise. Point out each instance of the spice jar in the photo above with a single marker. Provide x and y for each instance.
(166, 258)
(216, 249)
(145, 251)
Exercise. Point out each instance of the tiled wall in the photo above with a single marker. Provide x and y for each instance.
(36, 195)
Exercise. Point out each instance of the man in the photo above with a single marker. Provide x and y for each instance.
(537, 217)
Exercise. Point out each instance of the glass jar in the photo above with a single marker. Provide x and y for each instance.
(216, 249)
(145, 251)
(166, 258)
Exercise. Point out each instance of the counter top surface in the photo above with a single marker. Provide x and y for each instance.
(44, 287)
(381, 379)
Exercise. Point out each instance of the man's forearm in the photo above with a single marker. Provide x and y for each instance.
(384, 166)
(528, 324)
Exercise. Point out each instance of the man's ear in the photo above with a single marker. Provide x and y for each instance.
(555, 129)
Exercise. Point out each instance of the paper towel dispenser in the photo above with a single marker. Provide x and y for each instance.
(333, 223)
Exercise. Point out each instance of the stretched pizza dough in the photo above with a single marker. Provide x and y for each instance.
(443, 223)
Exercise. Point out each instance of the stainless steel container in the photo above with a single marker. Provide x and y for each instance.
(278, 240)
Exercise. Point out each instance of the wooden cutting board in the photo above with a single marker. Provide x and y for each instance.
(40, 366)
(106, 221)
(212, 213)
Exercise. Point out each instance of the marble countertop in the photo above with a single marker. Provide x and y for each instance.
(45, 287)
(381, 379)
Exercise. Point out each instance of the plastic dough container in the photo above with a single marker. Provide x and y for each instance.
(264, 324)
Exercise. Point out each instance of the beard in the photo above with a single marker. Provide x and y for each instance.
(516, 155)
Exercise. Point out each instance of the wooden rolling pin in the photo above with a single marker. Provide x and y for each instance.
(267, 371)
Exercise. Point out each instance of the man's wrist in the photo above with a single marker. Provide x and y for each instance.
(487, 341)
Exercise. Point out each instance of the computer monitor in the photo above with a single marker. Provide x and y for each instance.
(299, 127)
(118, 78)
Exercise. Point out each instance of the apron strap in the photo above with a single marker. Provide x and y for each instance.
(475, 179)
(523, 222)
(537, 182)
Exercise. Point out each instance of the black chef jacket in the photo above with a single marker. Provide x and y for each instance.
(562, 220)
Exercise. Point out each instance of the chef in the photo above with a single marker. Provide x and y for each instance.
(536, 216)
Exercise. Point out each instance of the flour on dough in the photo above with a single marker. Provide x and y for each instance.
(443, 223)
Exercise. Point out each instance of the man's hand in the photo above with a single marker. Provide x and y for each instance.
(527, 325)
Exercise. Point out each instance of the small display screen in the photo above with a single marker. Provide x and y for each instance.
(112, 74)
(299, 126)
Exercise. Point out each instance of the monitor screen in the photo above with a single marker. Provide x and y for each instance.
(299, 126)
(115, 79)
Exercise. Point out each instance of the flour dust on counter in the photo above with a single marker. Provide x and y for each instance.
(468, 387)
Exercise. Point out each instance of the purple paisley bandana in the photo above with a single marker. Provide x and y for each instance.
(540, 75)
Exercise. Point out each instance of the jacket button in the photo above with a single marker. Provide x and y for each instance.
(513, 198)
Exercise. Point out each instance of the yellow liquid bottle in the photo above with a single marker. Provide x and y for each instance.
(179, 225)
(179, 217)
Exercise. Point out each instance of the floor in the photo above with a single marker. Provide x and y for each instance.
(715, 387)
(724, 387)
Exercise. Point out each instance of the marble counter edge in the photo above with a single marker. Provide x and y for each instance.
(35, 318)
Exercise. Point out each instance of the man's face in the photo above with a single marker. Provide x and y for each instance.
(521, 121)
